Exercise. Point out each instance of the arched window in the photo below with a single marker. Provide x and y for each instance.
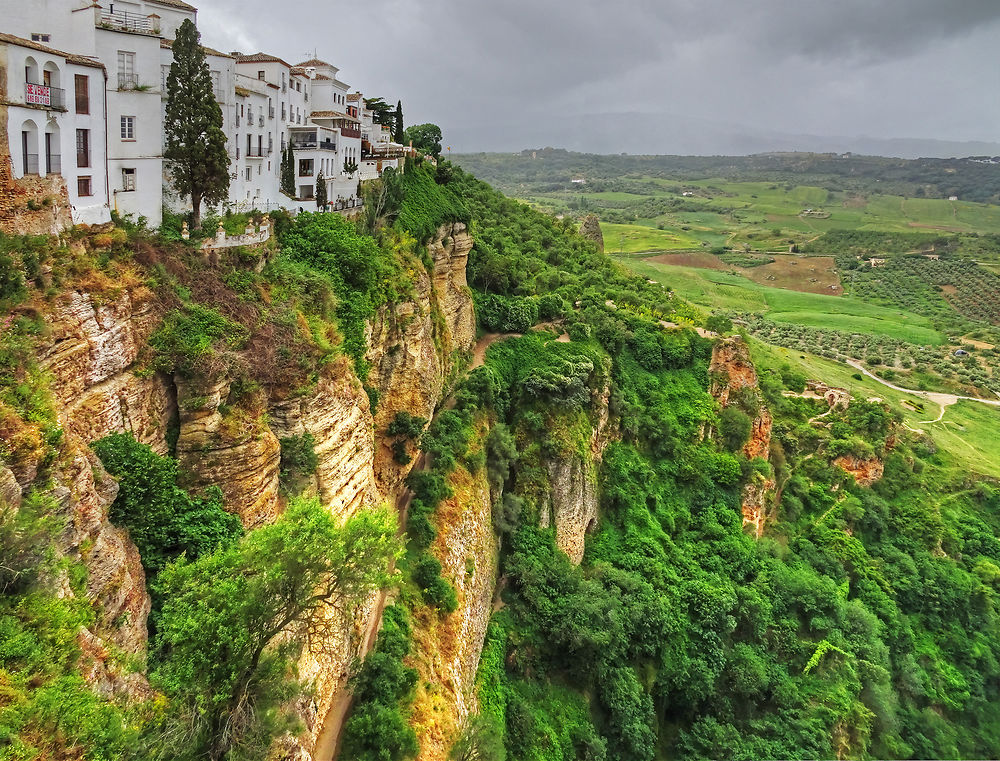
(31, 75)
(29, 148)
(51, 150)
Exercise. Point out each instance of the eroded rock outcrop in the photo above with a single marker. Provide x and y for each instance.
(865, 471)
(237, 453)
(734, 381)
(338, 416)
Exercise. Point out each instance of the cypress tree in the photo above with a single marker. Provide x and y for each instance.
(287, 174)
(196, 153)
(397, 129)
(321, 191)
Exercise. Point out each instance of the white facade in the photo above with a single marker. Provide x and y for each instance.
(266, 104)
(56, 122)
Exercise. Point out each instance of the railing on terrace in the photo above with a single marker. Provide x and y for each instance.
(30, 163)
(125, 21)
(43, 95)
(350, 132)
(323, 145)
(53, 164)
(270, 112)
(260, 120)
(255, 153)
(127, 81)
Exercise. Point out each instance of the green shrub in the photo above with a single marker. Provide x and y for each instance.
(190, 336)
(298, 459)
(163, 520)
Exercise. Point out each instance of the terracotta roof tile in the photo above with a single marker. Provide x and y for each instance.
(175, 4)
(260, 58)
(168, 44)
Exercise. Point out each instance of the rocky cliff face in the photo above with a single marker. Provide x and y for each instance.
(447, 649)
(92, 357)
(574, 500)
(864, 471)
(415, 346)
(734, 377)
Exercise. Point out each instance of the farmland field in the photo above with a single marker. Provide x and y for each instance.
(723, 290)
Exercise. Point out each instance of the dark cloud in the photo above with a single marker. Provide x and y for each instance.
(878, 67)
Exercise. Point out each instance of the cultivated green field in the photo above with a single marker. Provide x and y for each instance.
(715, 289)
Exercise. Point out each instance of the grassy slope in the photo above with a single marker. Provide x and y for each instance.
(966, 435)
(722, 290)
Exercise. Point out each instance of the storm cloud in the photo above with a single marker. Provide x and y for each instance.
(558, 73)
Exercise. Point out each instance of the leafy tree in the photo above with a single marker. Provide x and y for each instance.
(233, 621)
(734, 428)
(426, 138)
(397, 128)
(382, 112)
(480, 741)
(321, 191)
(195, 142)
(163, 520)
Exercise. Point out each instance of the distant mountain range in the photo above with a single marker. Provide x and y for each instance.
(671, 134)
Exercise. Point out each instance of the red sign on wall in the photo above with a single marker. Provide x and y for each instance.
(38, 95)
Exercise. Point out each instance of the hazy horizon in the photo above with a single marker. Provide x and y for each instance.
(901, 69)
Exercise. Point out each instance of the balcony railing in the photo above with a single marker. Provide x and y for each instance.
(322, 145)
(127, 81)
(125, 21)
(270, 112)
(260, 120)
(43, 95)
(255, 153)
(53, 164)
(350, 132)
(30, 163)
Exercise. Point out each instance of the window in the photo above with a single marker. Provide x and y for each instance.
(81, 85)
(284, 85)
(128, 179)
(261, 74)
(40, 37)
(249, 144)
(127, 79)
(217, 85)
(83, 187)
(164, 73)
(305, 167)
(249, 173)
(298, 87)
(128, 128)
(83, 147)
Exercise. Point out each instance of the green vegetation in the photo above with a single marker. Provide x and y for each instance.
(426, 138)
(845, 631)
(383, 690)
(222, 614)
(163, 520)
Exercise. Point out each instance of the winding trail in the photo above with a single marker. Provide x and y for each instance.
(939, 398)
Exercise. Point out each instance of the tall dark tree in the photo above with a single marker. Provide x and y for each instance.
(286, 176)
(195, 143)
(397, 129)
(321, 191)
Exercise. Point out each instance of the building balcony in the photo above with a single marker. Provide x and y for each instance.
(255, 153)
(43, 95)
(270, 112)
(315, 145)
(29, 163)
(128, 81)
(53, 164)
(350, 132)
(128, 22)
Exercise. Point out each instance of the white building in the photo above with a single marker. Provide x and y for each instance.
(266, 103)
(56, 121)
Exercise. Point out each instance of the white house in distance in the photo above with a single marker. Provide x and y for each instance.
(56, 121)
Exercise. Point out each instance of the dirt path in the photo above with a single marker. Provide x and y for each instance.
(941, 399)
(328, 740)
(488, 339)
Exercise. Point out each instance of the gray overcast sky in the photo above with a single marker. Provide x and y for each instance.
(882, 68)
